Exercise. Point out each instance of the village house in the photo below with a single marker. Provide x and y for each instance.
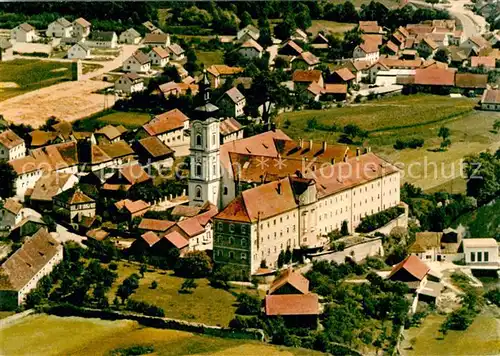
(320, 42)
(176, 52)
(81, 28)
(289, 297)
(218, 73)
(306, 60)
(153, 244)
(249, 32)
(130, 36)
(232, 103)
(129, 83)
(230, 130)
(154, 225)
(299, 35)
(47, 187)
(73, 204)
(434, 77)
(290, 48)
(169, 127)
(250, 49)
(109, 134)
(102, 39)
(456, 38)
(153, 40)
(470, 82)
(23, 33)
(26, 227)
(11, 146)
(343, 76)
(411, 271)
(475, 43)
(159, 56)
(303, 78)
(129, 209)
(441, 39)
(302, 208)
(428, 44)
(6, 50)
(125, 178)
(371, 27)
(487, 62)
(79, 51)
(10, 213)
(437, 246)
(28, 171)
(60, 28)
(152, 151)
(21, 272)
(178, 89)
(481, 253)
(491, 100)
(138, 62)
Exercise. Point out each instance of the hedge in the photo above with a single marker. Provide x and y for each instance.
(376, 221)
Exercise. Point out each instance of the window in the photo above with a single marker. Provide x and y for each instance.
(486, 256)
(214, 170)
(231, 254)
(198, 140)
(198, 192)
(198, 169)
(473, 257)
(231, 227)
(479, 257)
(213, 139)
(243, 256)
(226, 192)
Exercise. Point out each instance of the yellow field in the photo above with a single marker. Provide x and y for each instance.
(50, 336)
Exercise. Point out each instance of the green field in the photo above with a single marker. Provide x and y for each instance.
(51, 335)
(481, 338)
(207, 58)
(30, 74)
(127, 119)
(416, 116)
(483, 222)
(329, 27)
(206, 304)
(390, 4)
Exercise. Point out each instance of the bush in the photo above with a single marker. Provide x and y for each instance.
(154, 285)
(375, 221)
(195, 264)
(113, 266)
(245, 322)
(493, 296)
(248, 304)
(133, 350)
(409, 143)
(144, 308)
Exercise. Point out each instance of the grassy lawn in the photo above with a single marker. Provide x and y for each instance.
(90, 67)
(80, 336)
(127, 119)
(416, 116)
(206, 304)
(30, 74)
(483, 222)
(210, 57)
(329, 26)
(481, 338)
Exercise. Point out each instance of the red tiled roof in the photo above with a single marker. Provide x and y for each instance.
(176, 239)
(413, 265)
(13, 206)
(9, 139)
(307, 76)
(155, 225)
(134, 174)
(154, 38)
(309, 58)
(161, 52)
(229, 126)
(168, 121)
(377, 39)
(487, 62)
(392, 46)
(155, 147)
(435, 76)
(315, 88)
(222, 69)
(252, 44)
(297, 280)
(345, 74)
(491, 96)
(292, 304)
(469, 80)
(132, 206)
(294, 46)
(369, 45)
(150, 238)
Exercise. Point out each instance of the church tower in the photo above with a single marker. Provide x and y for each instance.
(205, 173)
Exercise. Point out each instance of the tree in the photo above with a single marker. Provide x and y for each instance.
(352, 39)
(7, 177)
(432, 2)
(246, 19)
(154, 285)
(285, 28)
(444, 133)
(222, 275)
(302, 16)
(424, 52)
(442, 55)
(248, 304)
(483, 176)
(496, 125)
(288, 255)
(194, 264)
(344, 229)
(143, 269)
(192, 61)
(281, 259)
(188, 286)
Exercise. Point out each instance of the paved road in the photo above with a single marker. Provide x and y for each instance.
(472, 24)
(126, 51)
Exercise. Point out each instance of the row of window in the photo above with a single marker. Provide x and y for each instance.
(480, 255)
(230, 254)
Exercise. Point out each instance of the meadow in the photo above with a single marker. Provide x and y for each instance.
(208, 305)
(405, 117)
(329, 27)
(207, 58)
(483, 222)
(50, 335)
(20, 76)
(481, 338)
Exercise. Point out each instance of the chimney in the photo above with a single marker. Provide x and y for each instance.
(358, 151)
(310, 144)
(324, 146)
(279, 188)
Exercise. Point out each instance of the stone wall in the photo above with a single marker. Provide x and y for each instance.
(358, 252)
